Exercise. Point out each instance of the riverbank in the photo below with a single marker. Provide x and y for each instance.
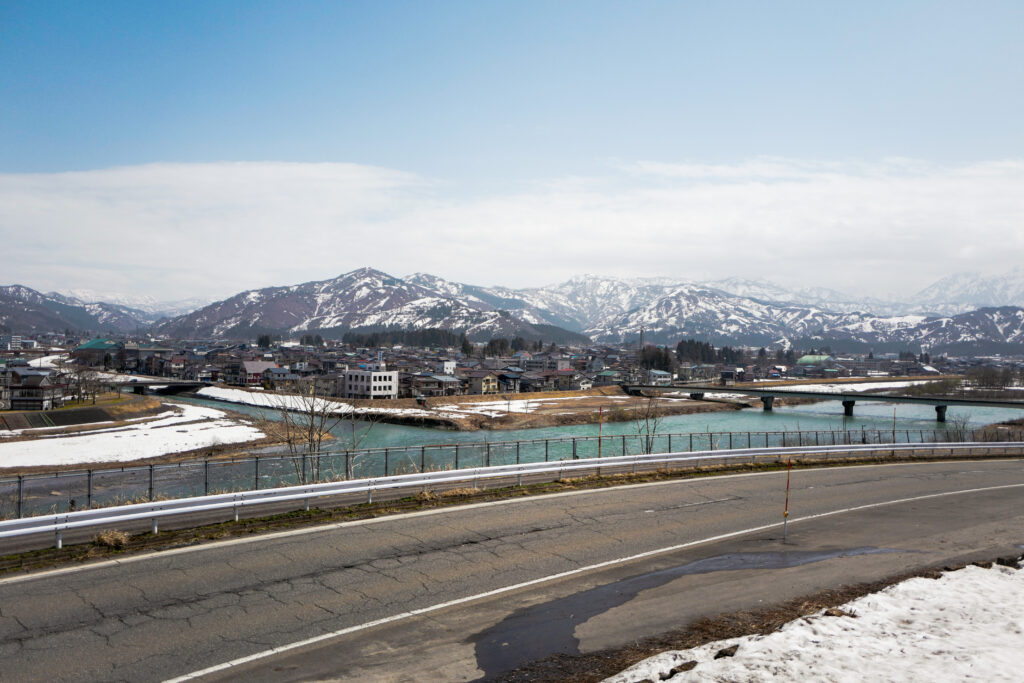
(493, 412)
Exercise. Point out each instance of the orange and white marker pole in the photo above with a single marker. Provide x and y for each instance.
(785, 512)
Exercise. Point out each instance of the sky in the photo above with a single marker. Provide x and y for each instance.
(197, 149)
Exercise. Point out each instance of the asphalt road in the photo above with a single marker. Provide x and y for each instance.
(465, 593)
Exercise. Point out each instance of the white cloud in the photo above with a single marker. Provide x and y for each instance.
(177, 230)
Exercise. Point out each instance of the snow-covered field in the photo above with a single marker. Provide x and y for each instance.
(966, 625)
(171, 432)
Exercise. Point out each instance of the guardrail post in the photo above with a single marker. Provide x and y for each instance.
(669, 443)
(348, 465)
(456, 456)
(691, 443)
(623, 444)
(423, 459)
(545, 450)
(256, 474)
(155, 528)
(730, 441)
(151, 491)
(369, 491)
(517, 454)
(20, 495)
(574, 456)
(59, 540)
(488, 460)
(387, 451)
(206, 477)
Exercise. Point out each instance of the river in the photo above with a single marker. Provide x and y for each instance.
(824, 416)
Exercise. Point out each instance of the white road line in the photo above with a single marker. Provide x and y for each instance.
(358, 522)
(258, 538)
(554, 577)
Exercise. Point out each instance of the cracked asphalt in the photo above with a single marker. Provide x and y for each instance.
(176, 612)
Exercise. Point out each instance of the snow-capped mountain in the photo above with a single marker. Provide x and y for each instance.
(24, 310)
(155, 308)
(979, 331)
(576, 304)
(819, 297)
(699, 312)
(362, 299)
(706, 313)
(607, 309)
(962, 292)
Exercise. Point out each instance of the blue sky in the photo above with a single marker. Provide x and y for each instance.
(475, 111)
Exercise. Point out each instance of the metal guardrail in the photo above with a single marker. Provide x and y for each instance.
(41, 493)
(154, 511)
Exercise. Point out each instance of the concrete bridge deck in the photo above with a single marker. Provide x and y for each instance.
(849, 399)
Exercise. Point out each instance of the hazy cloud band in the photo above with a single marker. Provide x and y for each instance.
(212, 229)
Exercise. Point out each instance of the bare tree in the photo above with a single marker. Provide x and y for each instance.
(304, 419)
(958, 427)
(647, 420)
(86, 382)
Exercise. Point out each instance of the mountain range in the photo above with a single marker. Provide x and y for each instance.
(963, 312)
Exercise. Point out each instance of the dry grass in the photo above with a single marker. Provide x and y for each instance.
(460, 491)
(111, 538)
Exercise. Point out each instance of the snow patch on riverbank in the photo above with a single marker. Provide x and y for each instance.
(966, 625)
(293, 402)
(184, 429)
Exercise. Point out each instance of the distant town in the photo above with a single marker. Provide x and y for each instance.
(396, 370)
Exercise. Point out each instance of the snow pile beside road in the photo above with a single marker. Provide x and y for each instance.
(177, 431)
(966, 625)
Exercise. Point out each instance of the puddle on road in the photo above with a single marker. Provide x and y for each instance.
(541, 630)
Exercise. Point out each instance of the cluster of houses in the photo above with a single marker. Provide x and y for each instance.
(23, 387)
(407, 372)
(414, 372)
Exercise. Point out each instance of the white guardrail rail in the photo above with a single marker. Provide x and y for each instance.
(154, 511)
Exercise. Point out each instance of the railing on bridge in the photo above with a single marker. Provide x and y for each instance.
(63, 491)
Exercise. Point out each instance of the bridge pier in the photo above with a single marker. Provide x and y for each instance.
(697, 395)
(940, 413)
(767, 401)
(848, 408)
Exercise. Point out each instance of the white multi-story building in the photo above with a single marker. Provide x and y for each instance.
(376, 381)
(10, 342)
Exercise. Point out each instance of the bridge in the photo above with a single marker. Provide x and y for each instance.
(158, 386)
(849, 399)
